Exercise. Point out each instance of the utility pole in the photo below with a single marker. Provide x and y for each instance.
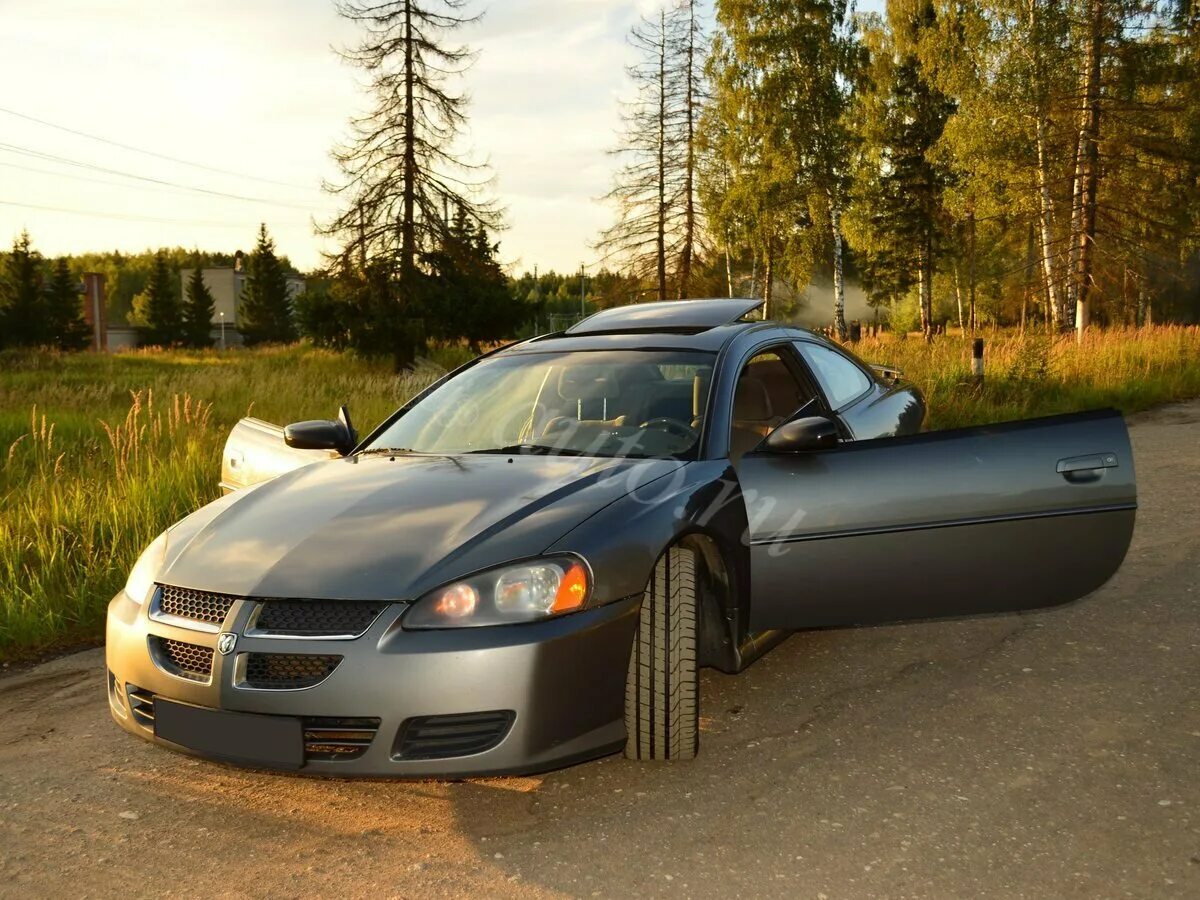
(537, 302)
(582, 300)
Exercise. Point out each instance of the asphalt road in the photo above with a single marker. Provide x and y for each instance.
(1054, 754)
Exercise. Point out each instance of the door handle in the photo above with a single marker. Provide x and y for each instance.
(1086, 463)
(1084, 469)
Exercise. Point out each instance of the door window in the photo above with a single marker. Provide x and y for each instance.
(840, 379)
(767, 394)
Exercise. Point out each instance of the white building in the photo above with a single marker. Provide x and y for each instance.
(226, 283)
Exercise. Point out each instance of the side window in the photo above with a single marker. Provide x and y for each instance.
(840, 379)
(766, 395)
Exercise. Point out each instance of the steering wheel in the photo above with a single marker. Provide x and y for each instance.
(673, 426)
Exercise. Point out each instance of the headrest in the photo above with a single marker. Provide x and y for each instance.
(587, 383)
(751, 401)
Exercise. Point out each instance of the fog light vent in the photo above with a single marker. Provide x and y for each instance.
(445, 737)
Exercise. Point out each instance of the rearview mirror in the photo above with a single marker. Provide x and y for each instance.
(323, 434)
(809, 433)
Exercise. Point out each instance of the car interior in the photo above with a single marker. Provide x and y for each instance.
(654, 410)
(650, 407)
(766, 396)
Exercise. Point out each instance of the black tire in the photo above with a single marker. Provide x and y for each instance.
(662, 697)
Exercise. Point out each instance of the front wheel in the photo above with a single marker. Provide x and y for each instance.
(662, 708)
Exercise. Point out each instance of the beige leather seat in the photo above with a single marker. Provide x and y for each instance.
(753, 416)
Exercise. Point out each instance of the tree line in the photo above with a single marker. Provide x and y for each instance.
(1004, 161)
(39, 301)
(1000, 159)
(41, 304)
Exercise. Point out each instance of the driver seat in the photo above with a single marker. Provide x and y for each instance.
(753, 416)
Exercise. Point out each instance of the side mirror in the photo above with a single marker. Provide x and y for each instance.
(323, 434)
(809, 433)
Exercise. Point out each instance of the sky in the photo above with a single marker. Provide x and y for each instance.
(254, 96)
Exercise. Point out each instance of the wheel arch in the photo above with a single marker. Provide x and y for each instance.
(723, 605)
(700, 507)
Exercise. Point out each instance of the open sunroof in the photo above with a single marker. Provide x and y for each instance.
(675, 315)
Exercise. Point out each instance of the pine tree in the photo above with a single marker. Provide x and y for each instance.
(899, 210)
(470, 296)
(1149, 250)
(198, 311)
(265, 315)
(22, 318)
(163, 308)
(323, 315)
(65, 326)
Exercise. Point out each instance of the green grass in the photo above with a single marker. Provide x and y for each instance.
(99, 453)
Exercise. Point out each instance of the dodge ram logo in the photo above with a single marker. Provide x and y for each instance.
(226, 642)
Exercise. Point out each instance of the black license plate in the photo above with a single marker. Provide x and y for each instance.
(275, 741)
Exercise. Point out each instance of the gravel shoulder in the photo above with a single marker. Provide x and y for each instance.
(1048, 754)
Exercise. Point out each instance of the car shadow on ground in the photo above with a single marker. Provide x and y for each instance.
(774, 741)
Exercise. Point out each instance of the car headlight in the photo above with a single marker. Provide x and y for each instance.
(524, 592)
(142, 577)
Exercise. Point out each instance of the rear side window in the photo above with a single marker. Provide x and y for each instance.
(840, 379)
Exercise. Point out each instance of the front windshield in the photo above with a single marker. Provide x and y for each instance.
(643, 403)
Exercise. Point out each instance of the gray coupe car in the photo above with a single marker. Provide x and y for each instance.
(526, 565)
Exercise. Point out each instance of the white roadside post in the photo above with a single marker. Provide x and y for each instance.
(977, 360)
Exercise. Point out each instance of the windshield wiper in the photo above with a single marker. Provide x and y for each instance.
(532, 450)
(379, 450)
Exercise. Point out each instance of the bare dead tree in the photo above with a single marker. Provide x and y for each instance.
(691, 58)
(400, 169)
(657, 232)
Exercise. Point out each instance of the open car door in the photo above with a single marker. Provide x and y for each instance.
(989, 519)
(256, 451)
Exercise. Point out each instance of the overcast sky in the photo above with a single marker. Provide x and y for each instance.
(254, 88)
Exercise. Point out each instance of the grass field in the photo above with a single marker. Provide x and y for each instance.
(100, 453)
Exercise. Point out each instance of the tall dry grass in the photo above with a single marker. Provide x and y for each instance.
(1035, 375)
(101, 453)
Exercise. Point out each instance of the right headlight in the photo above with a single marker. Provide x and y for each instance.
(145, 571)
(523, 592)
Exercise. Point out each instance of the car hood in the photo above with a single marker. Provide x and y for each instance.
(373, 527)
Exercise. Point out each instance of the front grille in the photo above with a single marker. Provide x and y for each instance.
(141, 704)
(444, 737)
(288, 671)
(180, 658)
(315, 617)
(200, 606)
(329, 738)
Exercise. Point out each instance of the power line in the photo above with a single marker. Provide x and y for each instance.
(121, 184)
(131, 218)
(50, 157)
(133, 149)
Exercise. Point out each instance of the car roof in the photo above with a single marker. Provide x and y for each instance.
(674, 315)
(701, 324)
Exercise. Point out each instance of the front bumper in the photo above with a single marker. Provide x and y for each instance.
(562, 680)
